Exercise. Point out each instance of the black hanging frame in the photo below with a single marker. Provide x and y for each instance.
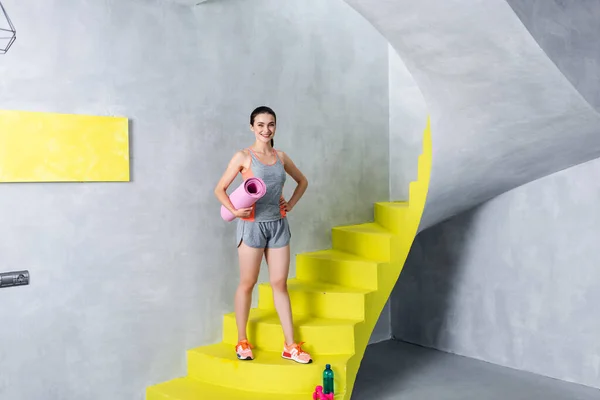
(9, 35)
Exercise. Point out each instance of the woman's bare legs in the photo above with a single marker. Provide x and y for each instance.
(278, 261)
(279, 265)
(249, 260)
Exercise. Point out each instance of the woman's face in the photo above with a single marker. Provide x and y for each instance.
(264, 127)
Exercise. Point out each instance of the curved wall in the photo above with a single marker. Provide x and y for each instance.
(568, 32)
(514, 280)
(408, 119)
(502, 113)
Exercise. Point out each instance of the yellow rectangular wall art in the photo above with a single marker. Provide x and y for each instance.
(50, 147)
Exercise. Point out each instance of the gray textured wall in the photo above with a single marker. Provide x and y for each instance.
(514, 281)
(499, 106)
(408, 118)
(568, 31)
(126, 277)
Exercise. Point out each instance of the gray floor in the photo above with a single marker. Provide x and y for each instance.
(393, 370)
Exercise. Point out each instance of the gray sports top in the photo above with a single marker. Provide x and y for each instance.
(267, 208)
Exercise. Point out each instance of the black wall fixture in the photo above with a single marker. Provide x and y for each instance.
(8, 33)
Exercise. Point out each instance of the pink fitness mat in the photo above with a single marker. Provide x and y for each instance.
(248, 193)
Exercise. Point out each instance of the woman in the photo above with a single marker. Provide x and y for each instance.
(263, 229)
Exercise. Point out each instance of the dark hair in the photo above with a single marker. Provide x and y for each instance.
(262, 110)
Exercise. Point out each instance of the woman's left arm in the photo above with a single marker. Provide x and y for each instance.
(298, 176)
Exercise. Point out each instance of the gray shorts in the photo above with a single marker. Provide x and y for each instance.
(260, 235)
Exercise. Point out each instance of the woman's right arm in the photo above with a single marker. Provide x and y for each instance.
(233, 168)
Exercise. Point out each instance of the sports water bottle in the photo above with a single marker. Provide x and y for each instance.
(327, 379)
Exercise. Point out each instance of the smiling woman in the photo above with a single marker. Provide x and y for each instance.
(263, 229)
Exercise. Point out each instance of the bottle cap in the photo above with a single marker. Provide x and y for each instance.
(327, 366)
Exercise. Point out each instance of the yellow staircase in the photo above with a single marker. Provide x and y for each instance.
(337, 297)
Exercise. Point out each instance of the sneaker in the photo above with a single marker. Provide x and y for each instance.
(243, 350)
(294, 352)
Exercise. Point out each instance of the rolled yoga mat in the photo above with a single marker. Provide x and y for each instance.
(248, 193)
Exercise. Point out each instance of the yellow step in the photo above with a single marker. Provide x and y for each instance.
(319, 299)
(218, 365)
(423, 167)
(191, 389)
(392, 215)
(369, 240)
(322, 335)
(416, 192)
(338, 268)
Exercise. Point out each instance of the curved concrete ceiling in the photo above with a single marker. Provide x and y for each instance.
(569, 33)
(502, 113)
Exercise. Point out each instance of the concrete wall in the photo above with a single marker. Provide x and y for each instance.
(568, 32)
(514, 281)
(126, 277)
(502, 112)
(408, 118)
